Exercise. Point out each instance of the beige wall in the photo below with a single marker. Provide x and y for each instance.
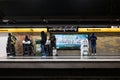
(108, 44)
(21, 36)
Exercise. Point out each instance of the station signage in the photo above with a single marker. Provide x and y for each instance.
(23, 29)
(60, 29)
(98, 29)
(63, 29)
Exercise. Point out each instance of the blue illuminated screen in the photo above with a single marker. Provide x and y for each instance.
(69, 41)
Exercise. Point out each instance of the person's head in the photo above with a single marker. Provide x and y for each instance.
(9, 34)
(42, 33)
(53, 36)
(93, 34)
(26, 38)
(48, 38)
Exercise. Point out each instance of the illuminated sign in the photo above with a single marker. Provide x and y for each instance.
(23, 29)
(98, 29)
(63, 29)
(60, 29)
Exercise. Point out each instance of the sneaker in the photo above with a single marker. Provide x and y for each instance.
(95, 53)
(43, 56)
(11, 56)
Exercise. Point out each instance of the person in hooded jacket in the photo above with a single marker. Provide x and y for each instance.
(11, 41)
(93, 39)
(43, 41)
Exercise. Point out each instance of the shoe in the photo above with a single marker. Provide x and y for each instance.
(43, 56)
(11, 56)
(95, 54)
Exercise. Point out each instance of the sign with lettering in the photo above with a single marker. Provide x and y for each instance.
(23, 29)
(98, 29)
(63, 29)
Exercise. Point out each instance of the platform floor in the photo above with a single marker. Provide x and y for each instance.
(60, 62)
(61, 58)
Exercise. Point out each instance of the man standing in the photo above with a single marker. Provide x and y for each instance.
(93, 39)
(43, 41)
(11, 45)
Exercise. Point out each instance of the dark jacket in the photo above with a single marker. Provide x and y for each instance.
(93, 39)
(43, 38)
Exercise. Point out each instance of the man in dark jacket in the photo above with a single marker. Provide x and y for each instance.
(93, 39)
(43, 41)
(11, 44)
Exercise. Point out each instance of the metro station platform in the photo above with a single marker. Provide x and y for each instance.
(61, 62)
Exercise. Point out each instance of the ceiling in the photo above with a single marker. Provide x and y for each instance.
(61, 9)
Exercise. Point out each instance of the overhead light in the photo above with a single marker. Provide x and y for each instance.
(45, 20)
(8, 21)
(5, 20)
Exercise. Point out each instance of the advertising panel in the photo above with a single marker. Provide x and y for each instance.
(69, 41)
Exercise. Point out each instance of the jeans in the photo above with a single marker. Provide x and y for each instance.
(48, 51)
(93, 46)
(43, 50)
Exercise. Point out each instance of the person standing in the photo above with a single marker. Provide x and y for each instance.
(53, 46)
(47, 44)
(53, 42)
(93, 39)
(11, 45)
(27, 46)
(43, 41)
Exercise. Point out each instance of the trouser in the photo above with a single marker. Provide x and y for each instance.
(43, 50)
(93, 48)
(48, 52)
(12, 50)
(27, 53)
